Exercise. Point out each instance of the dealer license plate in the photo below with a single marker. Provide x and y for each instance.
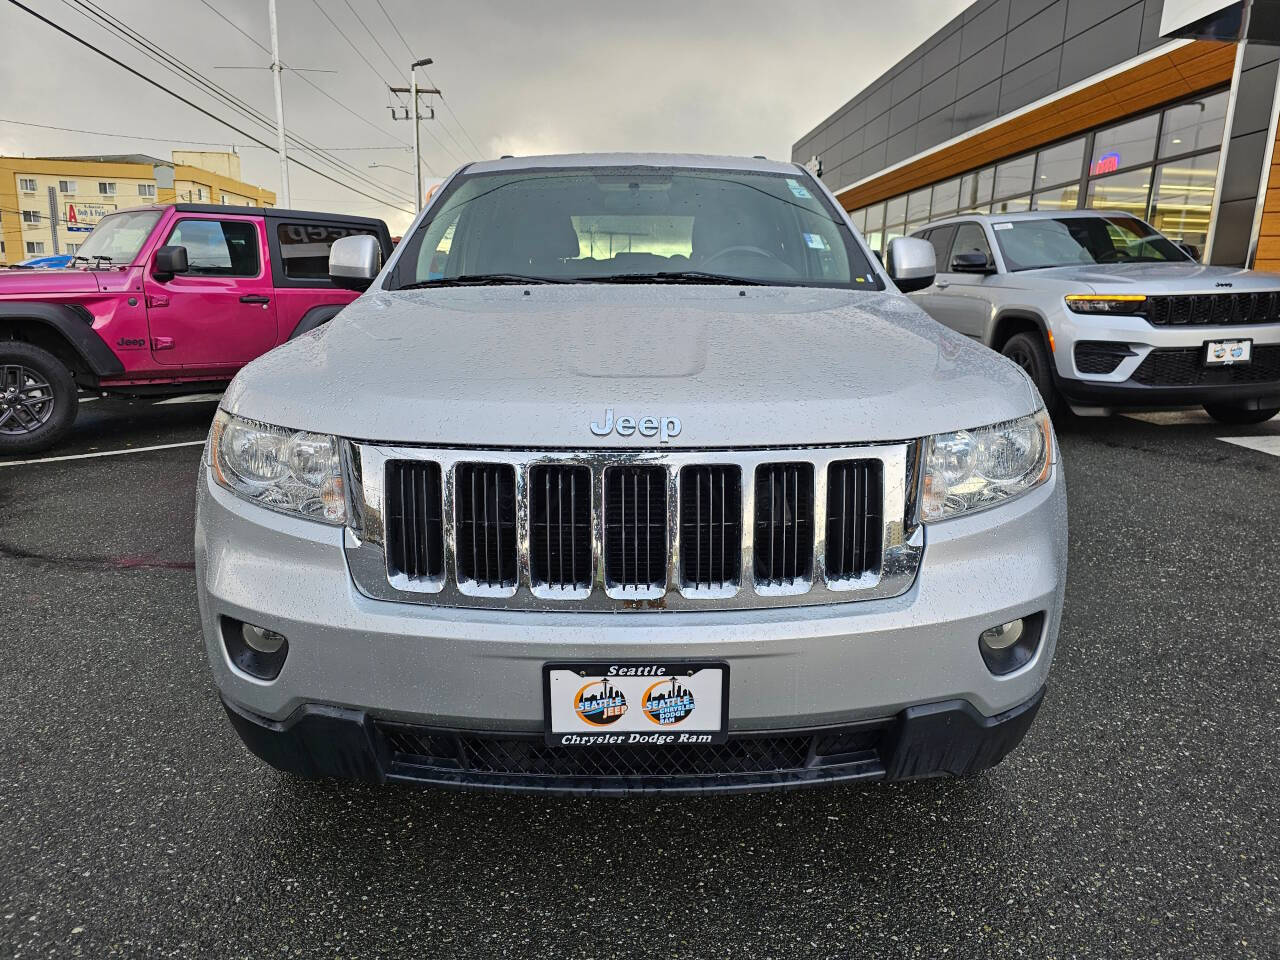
(1221, 353)
(665, 703)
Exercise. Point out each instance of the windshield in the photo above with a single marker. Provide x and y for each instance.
(646, 224)
(118, 237)
(1072, 241)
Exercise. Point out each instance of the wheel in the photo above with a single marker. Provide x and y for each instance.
(38, 398)
(1239, 416)
(1027, 351)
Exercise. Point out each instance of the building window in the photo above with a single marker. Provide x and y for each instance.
(1014, 176)
(106, 188)
(27, 184)
(147, 190)
(895, 219)
(1061, 164)
(30, 216)
(1195, 126)
(1012, 205)
(67, 186)
(200, 194)
(875, 227)
(1182, 199)
(946, 199)
(35, 247)
(224, 199)
(1127, 192)
(218, 248)
(975, 190)
(1057, 198)
(1126, 145)
(72, 248)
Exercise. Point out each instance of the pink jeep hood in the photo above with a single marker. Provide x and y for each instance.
(34, 283)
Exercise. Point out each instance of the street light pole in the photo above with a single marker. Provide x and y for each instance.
(417, 134)
(276, 68)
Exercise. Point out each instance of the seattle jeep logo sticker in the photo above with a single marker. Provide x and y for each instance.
(600, 703)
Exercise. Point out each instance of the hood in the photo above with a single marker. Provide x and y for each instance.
(535, 367)
(39, 281)
(1160, 278)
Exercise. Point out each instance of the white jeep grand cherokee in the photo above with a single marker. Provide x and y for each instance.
(630, 473)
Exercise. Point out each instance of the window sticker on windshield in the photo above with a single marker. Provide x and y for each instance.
(815, 241)
(798, 190)
(1002, 226)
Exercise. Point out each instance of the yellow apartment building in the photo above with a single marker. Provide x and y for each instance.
(49, 204)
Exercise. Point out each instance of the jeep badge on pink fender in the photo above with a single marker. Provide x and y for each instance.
(163, 300)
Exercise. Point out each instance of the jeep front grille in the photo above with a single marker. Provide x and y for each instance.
(616, 530)
(1213, 308)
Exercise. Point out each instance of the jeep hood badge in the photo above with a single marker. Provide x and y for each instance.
(664, 428)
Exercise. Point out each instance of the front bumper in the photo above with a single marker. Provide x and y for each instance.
(479, 671)
(939, 739)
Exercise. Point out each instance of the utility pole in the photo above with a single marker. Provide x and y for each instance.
(414, 91)
(276, 68)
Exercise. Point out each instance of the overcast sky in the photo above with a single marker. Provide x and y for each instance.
(708, 76)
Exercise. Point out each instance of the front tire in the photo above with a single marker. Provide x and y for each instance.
(1239, 416)
(1027, 351)
(38, 398)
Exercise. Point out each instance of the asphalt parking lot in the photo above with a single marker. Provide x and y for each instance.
(1139, 819)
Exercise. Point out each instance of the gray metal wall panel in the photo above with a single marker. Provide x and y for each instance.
(1038, 35)
(1113, 41)
(1031, 81)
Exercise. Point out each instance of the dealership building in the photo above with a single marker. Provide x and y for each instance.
(1163, 108)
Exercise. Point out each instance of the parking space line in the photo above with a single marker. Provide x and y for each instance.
(105, 453)
(1269, 444)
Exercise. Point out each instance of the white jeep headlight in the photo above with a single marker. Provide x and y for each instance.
(971, 470)
(287, 470)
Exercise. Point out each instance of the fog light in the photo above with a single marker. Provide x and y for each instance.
(1009, 646)
(254, 650)
(262, 639)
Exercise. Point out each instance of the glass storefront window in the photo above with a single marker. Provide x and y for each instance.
(1014, 176)
(1198, 125)
(1016, 205)
(875, 217)
(1059, 198)
(1061, 164)
(859, 218)
(946, 199)
(1127, 192)
(1124, 146)
(975, 190)
(918, 206)
(895, 213)
(1182, 200)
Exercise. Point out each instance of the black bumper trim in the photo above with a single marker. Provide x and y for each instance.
(949, 738)
(1130, 394)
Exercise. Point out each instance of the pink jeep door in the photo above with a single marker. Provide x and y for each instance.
(221, 313)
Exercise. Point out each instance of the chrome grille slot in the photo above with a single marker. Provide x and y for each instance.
(710, 527)
(784, 526)
(415, 522)
(484, 497)
(635, 530)
(854, 521)
(560, 527)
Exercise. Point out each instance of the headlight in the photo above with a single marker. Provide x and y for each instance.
(286, 470)
(1124, 304)
(971, 470)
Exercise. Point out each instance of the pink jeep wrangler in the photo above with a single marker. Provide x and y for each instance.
(162, 300)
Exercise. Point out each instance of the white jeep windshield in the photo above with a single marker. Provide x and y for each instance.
(1071, 241)
(641, 224)
(118, 237)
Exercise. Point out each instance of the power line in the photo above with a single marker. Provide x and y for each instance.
(307, 80)
(394, 65)
(198, 143)
(343, 35)
(408, 49)
(195, 106)
(158, 54)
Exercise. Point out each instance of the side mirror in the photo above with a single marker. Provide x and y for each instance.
(973, 262)
(354, 261)
(912, 263)
(169, 262)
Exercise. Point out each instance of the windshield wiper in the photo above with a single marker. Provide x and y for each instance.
(478, 280)
(673, 276)
(96, 257)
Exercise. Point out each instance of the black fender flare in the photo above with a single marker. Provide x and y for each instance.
(74, 325)
(315, 317)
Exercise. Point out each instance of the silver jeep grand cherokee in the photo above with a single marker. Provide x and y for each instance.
(1104, 311)
(631, 473)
